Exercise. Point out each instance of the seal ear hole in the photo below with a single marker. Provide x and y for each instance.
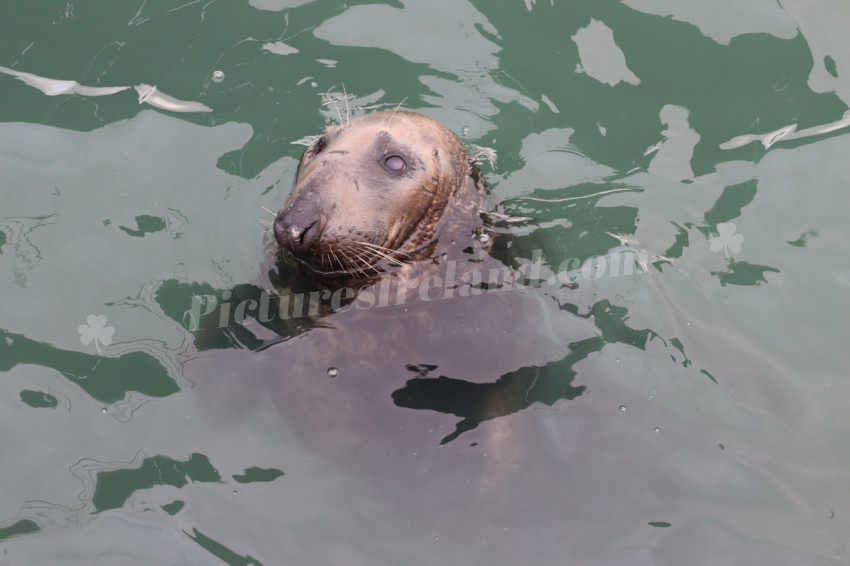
(395, 163)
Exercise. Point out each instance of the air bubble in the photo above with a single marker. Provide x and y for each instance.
(333, 372)
(218, 76)
(484, 239)
(622, 408)
(465, 131)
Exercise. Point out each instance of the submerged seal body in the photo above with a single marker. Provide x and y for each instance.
(392, 197)
(378, 193)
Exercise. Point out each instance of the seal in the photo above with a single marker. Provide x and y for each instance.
(377, 193)
(419, 382)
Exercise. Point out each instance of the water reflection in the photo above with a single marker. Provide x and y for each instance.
(108, 379)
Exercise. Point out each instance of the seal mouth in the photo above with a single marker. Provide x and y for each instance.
(348, 258)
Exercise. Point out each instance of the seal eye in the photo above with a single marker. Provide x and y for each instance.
(395, 163)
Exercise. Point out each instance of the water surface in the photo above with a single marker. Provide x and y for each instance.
(693, 410)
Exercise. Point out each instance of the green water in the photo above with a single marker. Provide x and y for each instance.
(701, 414)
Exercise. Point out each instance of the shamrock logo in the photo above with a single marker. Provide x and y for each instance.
(726, 239)
(95, 330)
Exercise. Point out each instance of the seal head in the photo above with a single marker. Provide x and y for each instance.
(375, 193)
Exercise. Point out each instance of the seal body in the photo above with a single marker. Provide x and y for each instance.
(377, 193)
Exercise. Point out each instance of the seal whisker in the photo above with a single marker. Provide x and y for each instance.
(331, 257)
(390, 119)
(384, 249)
(339, 261)
(364, 260)
(273, 213)
(360, 256)
(388, 257)
(379, 247)
(261, 221)
(353, 265)
(347, 110)
(347, 265)
(382, 254)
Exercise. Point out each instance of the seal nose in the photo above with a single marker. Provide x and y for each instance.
(297, 230)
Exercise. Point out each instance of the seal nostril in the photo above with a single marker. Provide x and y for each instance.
(294, 234)
(299, 240)
(298, 226)
(306, 231)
